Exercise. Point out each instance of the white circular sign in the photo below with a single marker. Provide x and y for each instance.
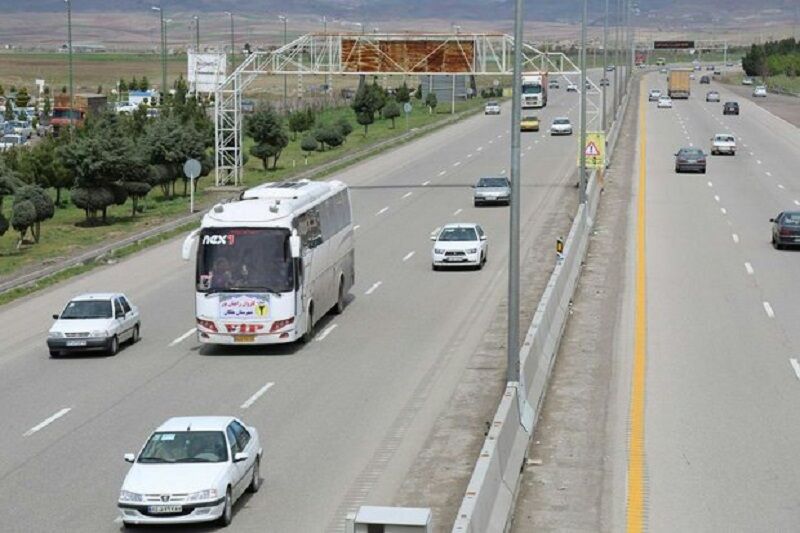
(407, 107)
(192, 168)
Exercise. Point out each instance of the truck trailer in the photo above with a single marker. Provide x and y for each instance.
(678, 83)
(83, 106)
(534, 89)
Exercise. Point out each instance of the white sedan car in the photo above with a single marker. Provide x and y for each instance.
(459, 245)
(561, 126)
(94, 322)
(723, 143)
(491, 108)
(191, 469)
(665, 102)
(761, 91)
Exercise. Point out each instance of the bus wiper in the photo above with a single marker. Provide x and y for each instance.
(253, 289)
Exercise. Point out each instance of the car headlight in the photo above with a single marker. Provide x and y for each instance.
(127, 496)
(472, 251)
(99, 333)
(438, 251)
(54, 335)
(208, 494)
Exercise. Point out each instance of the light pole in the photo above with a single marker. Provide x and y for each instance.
(196, 20)
(605, 64)
(283, 19)
(512, 342)
(163, 54)
(69, 52)
(233, 42)
(582, 197)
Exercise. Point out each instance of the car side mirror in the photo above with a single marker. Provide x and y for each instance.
(241, 456)
(55, 317)
(483, 237)
(129, 457)
(433, 237)
(294, 245)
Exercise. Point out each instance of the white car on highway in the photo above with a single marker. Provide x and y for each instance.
(665, 102)
(491, 108)
(761, 91)
(654, 95)
(723, 143)
(572, 88)
(561, 126)
(459, 245)
(94, 322)
(191, 469)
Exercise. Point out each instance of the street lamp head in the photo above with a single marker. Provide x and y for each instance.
(282, 18)
(154, 8)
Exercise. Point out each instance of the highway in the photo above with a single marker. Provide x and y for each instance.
(722, 315)
(331, 414)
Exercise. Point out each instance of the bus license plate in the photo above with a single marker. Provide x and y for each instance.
(244, 338)
(164, 509)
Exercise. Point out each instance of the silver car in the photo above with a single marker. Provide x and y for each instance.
(491, 108)
(561, 126)
(492, 191)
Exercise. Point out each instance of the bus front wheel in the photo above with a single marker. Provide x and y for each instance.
(309, 334)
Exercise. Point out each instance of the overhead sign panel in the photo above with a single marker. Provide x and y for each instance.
(401, 55)
(206, 71)
(673, 45)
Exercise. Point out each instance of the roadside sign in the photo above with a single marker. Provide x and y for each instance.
(673, 45)
(407, 108)
(192, 169)
(595, 150)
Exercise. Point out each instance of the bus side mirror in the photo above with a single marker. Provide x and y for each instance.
(188, 244)
(294, 246)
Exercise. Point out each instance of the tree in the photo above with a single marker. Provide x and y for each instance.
(2, 91)
(8, 185)
(403, 94)
(144, 84)
(44, 208)
(99, 89)
(344, 126)
(9, 111)
(169, 143)
(123, 86)
(431, 101)
(40, 165)
(46, 107)
(418, 92)
(300, 121)
(308, 145)
(391, 111)
(23, 216)
(134, 84)
(329, 135)
(364, 106)
(266, 129)
(378, 95)
(23, 98)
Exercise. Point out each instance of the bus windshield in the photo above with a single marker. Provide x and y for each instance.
(244, 260)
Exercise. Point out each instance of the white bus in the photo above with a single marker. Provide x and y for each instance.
(271, 264)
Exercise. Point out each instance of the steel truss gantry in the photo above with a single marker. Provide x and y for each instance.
(400, 54)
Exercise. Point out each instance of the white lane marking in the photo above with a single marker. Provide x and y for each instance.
(768, 173)
(500, 136)
(456, 163)
(536, 141)
(406, 195)
(744, 145)
(382, 211)
(443, 172)
(795, 366)
(781, 186)
(491, 141)
(325, 332)
(691, 144)
(479, 148)
(469, 155)
(356, 227)
(259, 393)
(716, 197)
(710, 184)
(768, 310)
(748, 267)
(183, 337)
(758, 161)
(373, 288)
(735, 238)
(797, 202)
(47, 421)
(503, 171)
(408, 256)
(457, 211)
(425, 183)
(723, 210)
(436, 231)
(751, 153)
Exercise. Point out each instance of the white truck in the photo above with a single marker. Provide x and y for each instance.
(534, 89)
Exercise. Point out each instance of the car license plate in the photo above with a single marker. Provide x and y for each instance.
(76, 343)
(164, 509)
(455, 259)
(244, 338)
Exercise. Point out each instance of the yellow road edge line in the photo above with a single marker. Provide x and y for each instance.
(636, 451)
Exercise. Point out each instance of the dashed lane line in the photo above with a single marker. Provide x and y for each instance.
(258, 394)
(325, 332)
(408, 256)
(47, 421)
(183, 337)
(373, 288)
(748, 267)
(768, 310)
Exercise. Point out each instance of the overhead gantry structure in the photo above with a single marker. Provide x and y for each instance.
(398, 54)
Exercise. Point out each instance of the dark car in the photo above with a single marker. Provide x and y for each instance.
(705, 79)
(690, 160)
(786, 229)
(730, 108)
(604, 82)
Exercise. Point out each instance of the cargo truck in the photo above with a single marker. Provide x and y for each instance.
(84, 105)
(678, 83)
(534, 89)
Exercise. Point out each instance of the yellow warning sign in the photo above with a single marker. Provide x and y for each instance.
(595, 150)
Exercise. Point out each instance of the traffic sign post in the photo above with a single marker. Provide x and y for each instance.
(192, 169)
(595, 150)
(407, 111)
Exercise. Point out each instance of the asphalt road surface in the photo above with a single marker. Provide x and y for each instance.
(331, 404)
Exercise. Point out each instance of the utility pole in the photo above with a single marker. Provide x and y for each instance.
(616, 55)
(285, 91)
(605, 65)
(196, 34)
(233, 42)
(69, 52)
(582, 196)
(163, 54)
(512, 343)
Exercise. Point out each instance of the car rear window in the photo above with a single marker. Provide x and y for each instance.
(493, 182)
(725, 138)
(791, 219)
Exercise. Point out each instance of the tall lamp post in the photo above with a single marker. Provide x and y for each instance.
(283, 19)
(162, 27)
(605, 64)
(583, 105)
(233, 42)
(69, 52)
(196, 20)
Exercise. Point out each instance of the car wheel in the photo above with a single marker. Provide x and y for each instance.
(255, 483)
(339, 307)
(309, 334)
(113, 346)
(135, 334)
(775, 243)
(55, 354)
(476, 203)
(227, 512)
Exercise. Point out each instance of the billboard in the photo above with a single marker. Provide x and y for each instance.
(673, 45)
(402, 55)
(206, 71)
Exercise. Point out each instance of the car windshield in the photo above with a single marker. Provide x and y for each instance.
(244, 259)
(185, 447)
(493, 182)
(78, 309)
(458, 234)
(791, 219)
(560, 121)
